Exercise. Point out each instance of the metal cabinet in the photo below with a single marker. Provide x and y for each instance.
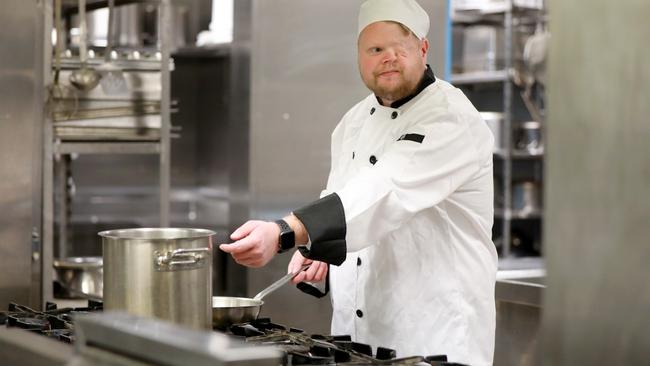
(21, 95)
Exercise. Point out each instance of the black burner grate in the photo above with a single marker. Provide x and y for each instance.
(316, 349)
(299, 347)
(52, 322)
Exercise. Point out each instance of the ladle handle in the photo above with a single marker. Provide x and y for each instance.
(109, 31)
(83, 29)
(279, 283)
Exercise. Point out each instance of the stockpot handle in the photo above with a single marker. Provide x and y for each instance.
(180, 259)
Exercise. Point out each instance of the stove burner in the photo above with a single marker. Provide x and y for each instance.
(317, 349)
(28, 322)
(52, 322)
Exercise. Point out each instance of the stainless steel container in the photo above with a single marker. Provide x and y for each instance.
(79, 276)
(164, 273)
(526, 198)
(528, 137)
(483, 48)
(135, 26)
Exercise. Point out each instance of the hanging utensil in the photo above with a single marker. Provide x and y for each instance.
(533, 70)
(85, 78)
(535, 54)
(61, 98)
(113, 81)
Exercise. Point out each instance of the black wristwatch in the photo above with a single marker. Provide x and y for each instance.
(287, 238)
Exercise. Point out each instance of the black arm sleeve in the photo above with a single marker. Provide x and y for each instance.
(325, 223)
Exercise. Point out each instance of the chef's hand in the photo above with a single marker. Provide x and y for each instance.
(256, 242)
(315, 273)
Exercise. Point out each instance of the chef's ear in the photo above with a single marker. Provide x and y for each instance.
(424, 48)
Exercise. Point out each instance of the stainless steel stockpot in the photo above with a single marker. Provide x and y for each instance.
(162, 272)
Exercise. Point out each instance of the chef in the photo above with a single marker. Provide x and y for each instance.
(402, 231)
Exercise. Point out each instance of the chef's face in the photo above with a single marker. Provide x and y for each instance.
(391, 60)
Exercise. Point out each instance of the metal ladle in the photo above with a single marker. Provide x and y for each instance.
(85, 78)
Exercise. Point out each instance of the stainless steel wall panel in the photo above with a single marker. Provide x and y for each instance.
(21, 95)
(597, 178)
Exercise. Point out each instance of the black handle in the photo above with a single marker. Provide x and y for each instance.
(313, 290)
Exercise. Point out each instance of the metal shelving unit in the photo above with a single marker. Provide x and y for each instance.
(57, 150)
(505, 14)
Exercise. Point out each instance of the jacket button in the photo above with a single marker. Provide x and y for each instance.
(372, 110)
(358, 261)
(394, 115)
(360, 313)
(353, 155)
(373, 159)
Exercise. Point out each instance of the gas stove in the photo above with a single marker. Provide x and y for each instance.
(296, 346)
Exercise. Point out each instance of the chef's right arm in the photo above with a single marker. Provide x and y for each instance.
(410, 176)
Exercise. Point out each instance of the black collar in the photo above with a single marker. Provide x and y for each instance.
(427, 79)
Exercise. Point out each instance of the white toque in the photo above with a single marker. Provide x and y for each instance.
(407, 12)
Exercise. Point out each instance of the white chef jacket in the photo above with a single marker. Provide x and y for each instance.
(416, 188)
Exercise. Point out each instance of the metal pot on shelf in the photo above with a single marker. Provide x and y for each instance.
(137, 26)
(162, 272)
(526, 197)
(528, 137)
(79, 277)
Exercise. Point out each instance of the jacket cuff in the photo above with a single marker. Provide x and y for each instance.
(324, 221)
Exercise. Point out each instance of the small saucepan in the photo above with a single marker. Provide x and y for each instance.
(227, 310)
(79, 277)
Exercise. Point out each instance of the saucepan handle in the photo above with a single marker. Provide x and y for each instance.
(181, 259)
(279, 283)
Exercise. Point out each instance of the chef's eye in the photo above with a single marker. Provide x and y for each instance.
(375, 50)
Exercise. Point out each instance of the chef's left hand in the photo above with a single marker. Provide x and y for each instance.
(256, 242)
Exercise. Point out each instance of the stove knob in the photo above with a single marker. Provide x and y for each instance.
(385, 353)
(341, 356)
(366, 349)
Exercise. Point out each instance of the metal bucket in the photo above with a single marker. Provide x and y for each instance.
(164, 273)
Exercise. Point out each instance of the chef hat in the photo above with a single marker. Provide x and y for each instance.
(407, 12)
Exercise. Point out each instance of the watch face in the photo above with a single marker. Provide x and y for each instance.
(287, 238)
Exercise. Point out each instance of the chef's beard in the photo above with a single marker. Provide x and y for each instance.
(393, 92)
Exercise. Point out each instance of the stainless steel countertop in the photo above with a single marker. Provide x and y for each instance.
(524, 290)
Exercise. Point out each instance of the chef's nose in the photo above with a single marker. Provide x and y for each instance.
(390, 55)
